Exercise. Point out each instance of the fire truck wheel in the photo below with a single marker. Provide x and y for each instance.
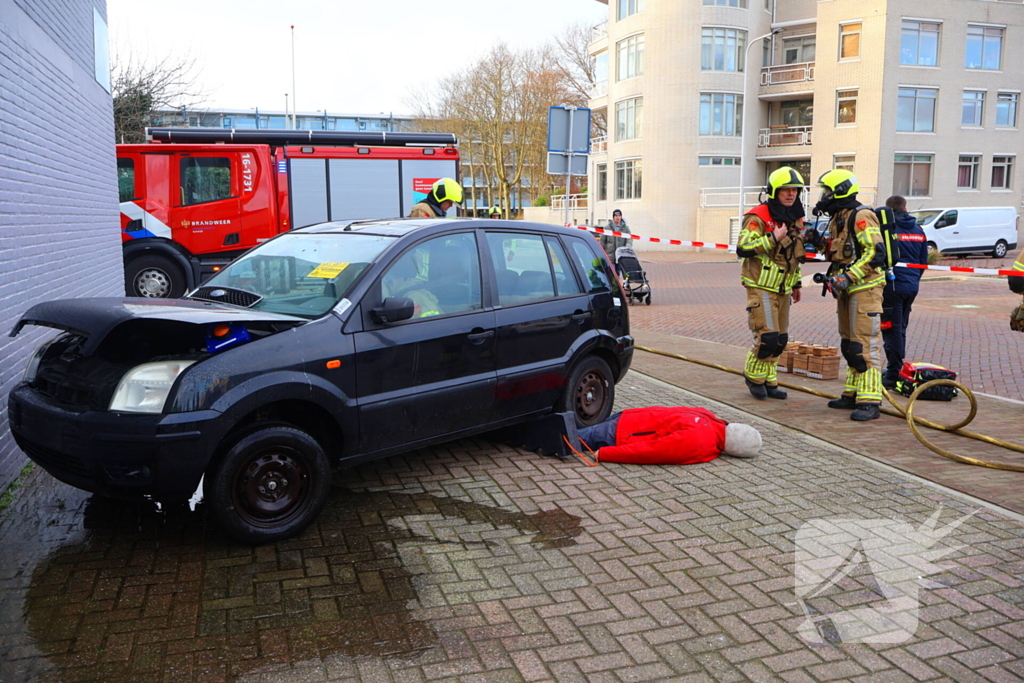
(269, 486)
(154, 277)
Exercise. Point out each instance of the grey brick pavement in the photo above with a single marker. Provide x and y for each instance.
(477, 562)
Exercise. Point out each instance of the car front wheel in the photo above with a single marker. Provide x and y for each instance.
(590, 393)
(270, 485)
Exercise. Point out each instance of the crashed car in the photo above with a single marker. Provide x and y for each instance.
(324, 346)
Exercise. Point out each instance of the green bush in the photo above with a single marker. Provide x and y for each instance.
(542, 200)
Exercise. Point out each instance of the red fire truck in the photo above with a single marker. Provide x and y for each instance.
(193, 199)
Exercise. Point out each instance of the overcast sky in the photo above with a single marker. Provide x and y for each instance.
(351, 56)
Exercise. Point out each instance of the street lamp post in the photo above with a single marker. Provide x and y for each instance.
(743, 118)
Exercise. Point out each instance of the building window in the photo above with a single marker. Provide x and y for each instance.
(125, 180)
(797, 113)
(798, 50)
(631, 57)
(627, 179)
(727, 3)
(721, 114)
(101, 50)
(912, 174)
(919, 43)
(1002, 173)
(1006, 109)
(849, 41)
(967, 172)
(600, 74)
(602, 182)
(846, 107)
(974, 108)
(719, 161)
(205, 179)
(628, 8)
(915, 110)
(629, 119)
(844, 162)
(722, 49)
(984, 48)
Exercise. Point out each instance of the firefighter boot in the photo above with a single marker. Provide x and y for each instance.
(756, 390)
(844, 402)
(865, 412)
(774, 391)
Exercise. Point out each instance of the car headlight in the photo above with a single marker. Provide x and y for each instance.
(144, 388)
(33, 364)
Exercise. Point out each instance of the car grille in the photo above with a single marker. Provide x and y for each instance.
(52, 460)
(226, 295)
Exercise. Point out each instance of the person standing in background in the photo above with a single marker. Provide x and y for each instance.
(899, 294)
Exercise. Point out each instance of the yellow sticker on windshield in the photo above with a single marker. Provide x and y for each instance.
(328, 269)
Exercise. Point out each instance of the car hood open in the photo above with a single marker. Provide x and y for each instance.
(96, 318)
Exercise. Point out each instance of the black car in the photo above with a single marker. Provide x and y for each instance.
(328, 345)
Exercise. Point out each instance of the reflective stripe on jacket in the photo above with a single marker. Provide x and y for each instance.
(767, 263)
(843, 248)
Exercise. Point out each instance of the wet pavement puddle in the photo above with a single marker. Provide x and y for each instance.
(138, 595)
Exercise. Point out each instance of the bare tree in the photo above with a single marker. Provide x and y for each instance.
(578, 68)
(141, 86)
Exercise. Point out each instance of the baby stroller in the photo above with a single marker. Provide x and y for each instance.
(634, 279)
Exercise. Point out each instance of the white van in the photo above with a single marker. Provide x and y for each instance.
(973, 230)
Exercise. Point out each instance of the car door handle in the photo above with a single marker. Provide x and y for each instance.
(479, 337)
(580, 318)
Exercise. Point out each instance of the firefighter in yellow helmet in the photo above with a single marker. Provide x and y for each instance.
(1017, 287)
(856, 276)
(442, 195)
(772, 250)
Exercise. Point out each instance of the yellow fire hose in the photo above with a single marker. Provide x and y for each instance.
(900, 411)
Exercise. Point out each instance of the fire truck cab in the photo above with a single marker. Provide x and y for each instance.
(192, 200)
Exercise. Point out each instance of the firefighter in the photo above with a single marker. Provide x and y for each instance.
(853, 246)
(495, 212)
(1017, 287)
(772, 250)
(442, 195)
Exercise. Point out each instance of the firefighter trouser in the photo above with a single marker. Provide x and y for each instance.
(768, 318)
(896, 308)
(860, 327)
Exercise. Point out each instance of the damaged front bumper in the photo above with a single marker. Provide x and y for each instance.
(116, 454)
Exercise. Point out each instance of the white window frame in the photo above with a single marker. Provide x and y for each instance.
(974, 162)
(1002, 45)
(859, 32)
(737, 105)
(601, 174)
(845, 160)
(913, 161)
(633, 53)
(635, 189)
(739, 45)
(979, 113)
(738, 4)
(1010, 161)
(1014, 98)
(917, 98)
(637, 7)
(840, 98)
(803, 41)
(919, 31)
(633, 108)
(721, 160)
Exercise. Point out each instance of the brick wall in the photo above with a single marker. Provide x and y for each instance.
(58, 189)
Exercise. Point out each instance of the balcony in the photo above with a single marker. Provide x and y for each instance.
(599, 144)
(599, 89)
(785, 79)
(576, 201)
(784, 136)
(599, 31)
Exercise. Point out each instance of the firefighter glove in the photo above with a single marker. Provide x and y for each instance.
(839, 282)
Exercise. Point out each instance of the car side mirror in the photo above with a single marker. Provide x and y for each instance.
(394, 309)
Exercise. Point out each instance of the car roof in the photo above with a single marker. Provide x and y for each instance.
(398, 227)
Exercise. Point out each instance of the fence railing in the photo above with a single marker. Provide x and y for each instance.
(787, 73)
(729, 197)
(599, 144)
(784, 135)
(576, 201)
(599, 89)
(599, 31)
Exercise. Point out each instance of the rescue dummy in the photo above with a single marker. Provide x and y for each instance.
(668, 436)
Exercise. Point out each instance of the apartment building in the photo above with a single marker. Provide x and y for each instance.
(917, 97)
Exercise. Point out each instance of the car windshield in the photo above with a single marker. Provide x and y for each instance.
(302, 274)
(924, 217)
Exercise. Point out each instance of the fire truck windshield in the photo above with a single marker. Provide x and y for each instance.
(302, 274)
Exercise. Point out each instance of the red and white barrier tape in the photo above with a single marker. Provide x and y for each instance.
(816, 257)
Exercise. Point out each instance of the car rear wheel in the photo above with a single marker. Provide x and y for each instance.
(270, 485)
(1000, 249)
(932, 248)
(154, 277)
(590, 393)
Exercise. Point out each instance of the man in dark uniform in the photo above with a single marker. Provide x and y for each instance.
(899, 294)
